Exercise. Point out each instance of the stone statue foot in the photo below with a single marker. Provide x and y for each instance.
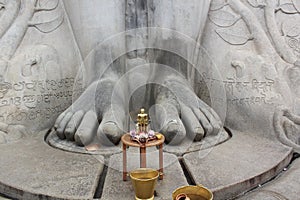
(79, 126)
(110, 130)
(172, 126)
(82, 122)
(192, 123)
(74, 114)
(176, 127)
(200, 120)
(181, 118)
(168, 117)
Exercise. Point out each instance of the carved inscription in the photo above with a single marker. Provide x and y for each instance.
(253, 100)
(36, 85)
(32, 100)
(36, 99)
(36, 92)
(44, 113)
(232, 85)
(242, 92)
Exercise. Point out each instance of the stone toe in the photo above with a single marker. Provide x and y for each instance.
(87, 129)
(109, 133)
(174, 132)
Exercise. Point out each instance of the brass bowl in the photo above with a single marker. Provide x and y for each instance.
(144, 181)
(197, 192)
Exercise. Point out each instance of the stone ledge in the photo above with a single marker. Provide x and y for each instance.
(285, 186)
(31, 169)
(188, 145)
(240, 164)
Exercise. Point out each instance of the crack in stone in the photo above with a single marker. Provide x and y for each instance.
(99, 189)
(186, 172)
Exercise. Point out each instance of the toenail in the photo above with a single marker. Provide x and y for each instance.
(173, 120)
(110, 122)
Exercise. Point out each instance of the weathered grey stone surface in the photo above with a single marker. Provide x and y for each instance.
(285, 186)
(39, 60)
(189, 145)
(239, 57)
(253, 47)
(240, 164)
(30, 169)
(116, 188)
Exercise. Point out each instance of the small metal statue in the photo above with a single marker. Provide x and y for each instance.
(142, 134)
(143, 121)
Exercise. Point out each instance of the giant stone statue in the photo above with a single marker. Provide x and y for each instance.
(219, 79)
(93, 111)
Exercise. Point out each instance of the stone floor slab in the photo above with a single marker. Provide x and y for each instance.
(31, 169)
(237, 165)
(285, 186)
(188, 145)
(116, 188)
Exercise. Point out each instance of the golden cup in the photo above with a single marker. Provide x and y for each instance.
(144, 181)
(197, 192)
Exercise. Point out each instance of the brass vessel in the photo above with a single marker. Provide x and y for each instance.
(144, 181)
(197, 192)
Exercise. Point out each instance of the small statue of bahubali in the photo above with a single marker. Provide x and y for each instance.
(143, 121)
(142, 133)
